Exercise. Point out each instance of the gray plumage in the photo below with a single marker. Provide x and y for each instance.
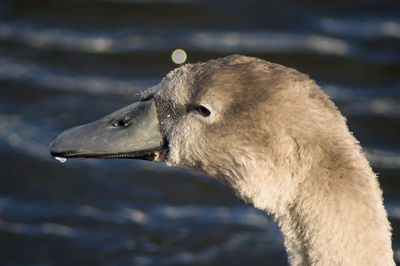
(283, 146)
(273, 136)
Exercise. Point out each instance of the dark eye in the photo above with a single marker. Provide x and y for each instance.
(203, 110)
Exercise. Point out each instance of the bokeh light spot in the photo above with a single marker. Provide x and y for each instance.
(179, 56)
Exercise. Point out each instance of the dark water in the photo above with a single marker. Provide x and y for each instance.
(65, 63)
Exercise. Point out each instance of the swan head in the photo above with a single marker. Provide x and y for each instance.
(241, 120)
(270, 133)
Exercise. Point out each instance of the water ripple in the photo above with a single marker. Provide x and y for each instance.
(123, 41)
(50, 79)
(371, 28)
(35, 229)
(383, 159)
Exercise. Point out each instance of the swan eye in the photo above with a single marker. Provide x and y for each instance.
(203, 110)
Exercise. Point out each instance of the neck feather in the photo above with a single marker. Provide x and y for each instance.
(341, 224)
(331, 213)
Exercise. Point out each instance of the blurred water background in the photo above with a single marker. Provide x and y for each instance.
(63, 63)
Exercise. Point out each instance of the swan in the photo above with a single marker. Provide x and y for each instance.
(272, 135)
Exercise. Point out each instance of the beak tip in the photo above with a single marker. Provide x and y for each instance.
(56, 145)
(53, 148)
(53, 145)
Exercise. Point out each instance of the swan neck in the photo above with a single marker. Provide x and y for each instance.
(341, 222)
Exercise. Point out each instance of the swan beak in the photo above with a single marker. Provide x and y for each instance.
(131, 132)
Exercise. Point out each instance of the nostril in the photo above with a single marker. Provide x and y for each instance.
(119, 123)
(122, 122)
